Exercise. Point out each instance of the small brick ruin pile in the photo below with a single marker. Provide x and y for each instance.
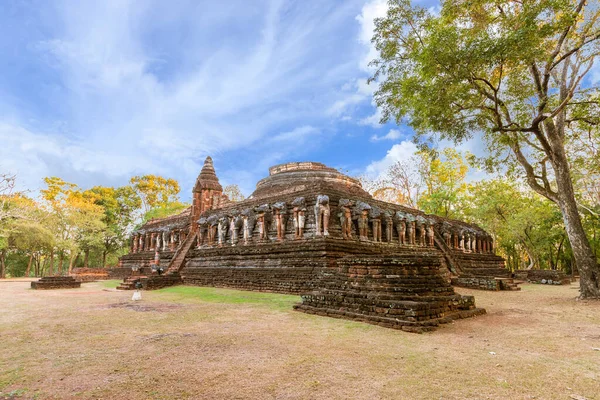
(56, 282)
(408, 292)
(150, 282)
(90, 274)
(543, 276)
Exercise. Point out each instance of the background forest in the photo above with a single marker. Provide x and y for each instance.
(67, 226)
(527, 228)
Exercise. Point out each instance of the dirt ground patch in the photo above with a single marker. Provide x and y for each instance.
(141, 307)
(89, 343)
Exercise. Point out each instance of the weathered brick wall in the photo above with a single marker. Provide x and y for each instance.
(154, 282)
(90, 274)
(56, 282)
(477, 282)
(285, 267)
(540, 275)
(478, 264)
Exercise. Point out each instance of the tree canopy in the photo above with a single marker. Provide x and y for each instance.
(511, 72)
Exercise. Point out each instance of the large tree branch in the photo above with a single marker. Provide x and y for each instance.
(532, 178)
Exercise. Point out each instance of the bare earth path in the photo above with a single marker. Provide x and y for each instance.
(188, 342)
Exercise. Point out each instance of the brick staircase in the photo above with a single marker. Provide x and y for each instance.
(129, 282)
(508, 284)
(177, 262)
(453, 265)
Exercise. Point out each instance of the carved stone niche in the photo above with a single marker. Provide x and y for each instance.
(400, 221)
(248, 223)
(322, 212)
(212, 222)
(421, 228)
(222, 227)
(298, 215)
(411, 229)
(236, 222)
(262, 221)
(375, 219)
(345, 216)
(361, 214)
(280, 218)
(202, 230)
(387, 221)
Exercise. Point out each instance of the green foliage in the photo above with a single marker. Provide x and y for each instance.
(233, 193)
(443, 175)
(155, 191)
(166, 210)
(510, 71)
(121, 208)
(528, 228)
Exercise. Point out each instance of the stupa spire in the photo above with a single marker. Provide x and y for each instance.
(208, 177)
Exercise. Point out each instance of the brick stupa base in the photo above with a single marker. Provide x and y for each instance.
(408, 292)
(56, 282)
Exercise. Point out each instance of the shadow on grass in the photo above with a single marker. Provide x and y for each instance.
(228, 296)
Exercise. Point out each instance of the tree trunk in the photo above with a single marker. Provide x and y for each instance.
(51, 265)
(589, 269)
(28, 270)
(71, 259)
(103, 258)
(61, 259)
(2, 264)
(86, 257)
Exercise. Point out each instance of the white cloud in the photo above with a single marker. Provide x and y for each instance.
(393, 134)
(371, 10)
(358, 91)
(373, 120)
(133, 104)
(398, 152)
(297, 135)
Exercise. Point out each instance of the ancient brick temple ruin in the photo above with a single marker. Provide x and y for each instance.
(310, 230)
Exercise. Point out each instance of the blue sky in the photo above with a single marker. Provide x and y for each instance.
(95, 92)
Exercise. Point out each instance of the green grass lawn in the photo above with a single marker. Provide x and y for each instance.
(111, 284)
(219, 295)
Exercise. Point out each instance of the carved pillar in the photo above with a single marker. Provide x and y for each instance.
(461, 244)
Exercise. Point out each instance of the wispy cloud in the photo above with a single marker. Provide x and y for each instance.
(155, 87)
(393, 134)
